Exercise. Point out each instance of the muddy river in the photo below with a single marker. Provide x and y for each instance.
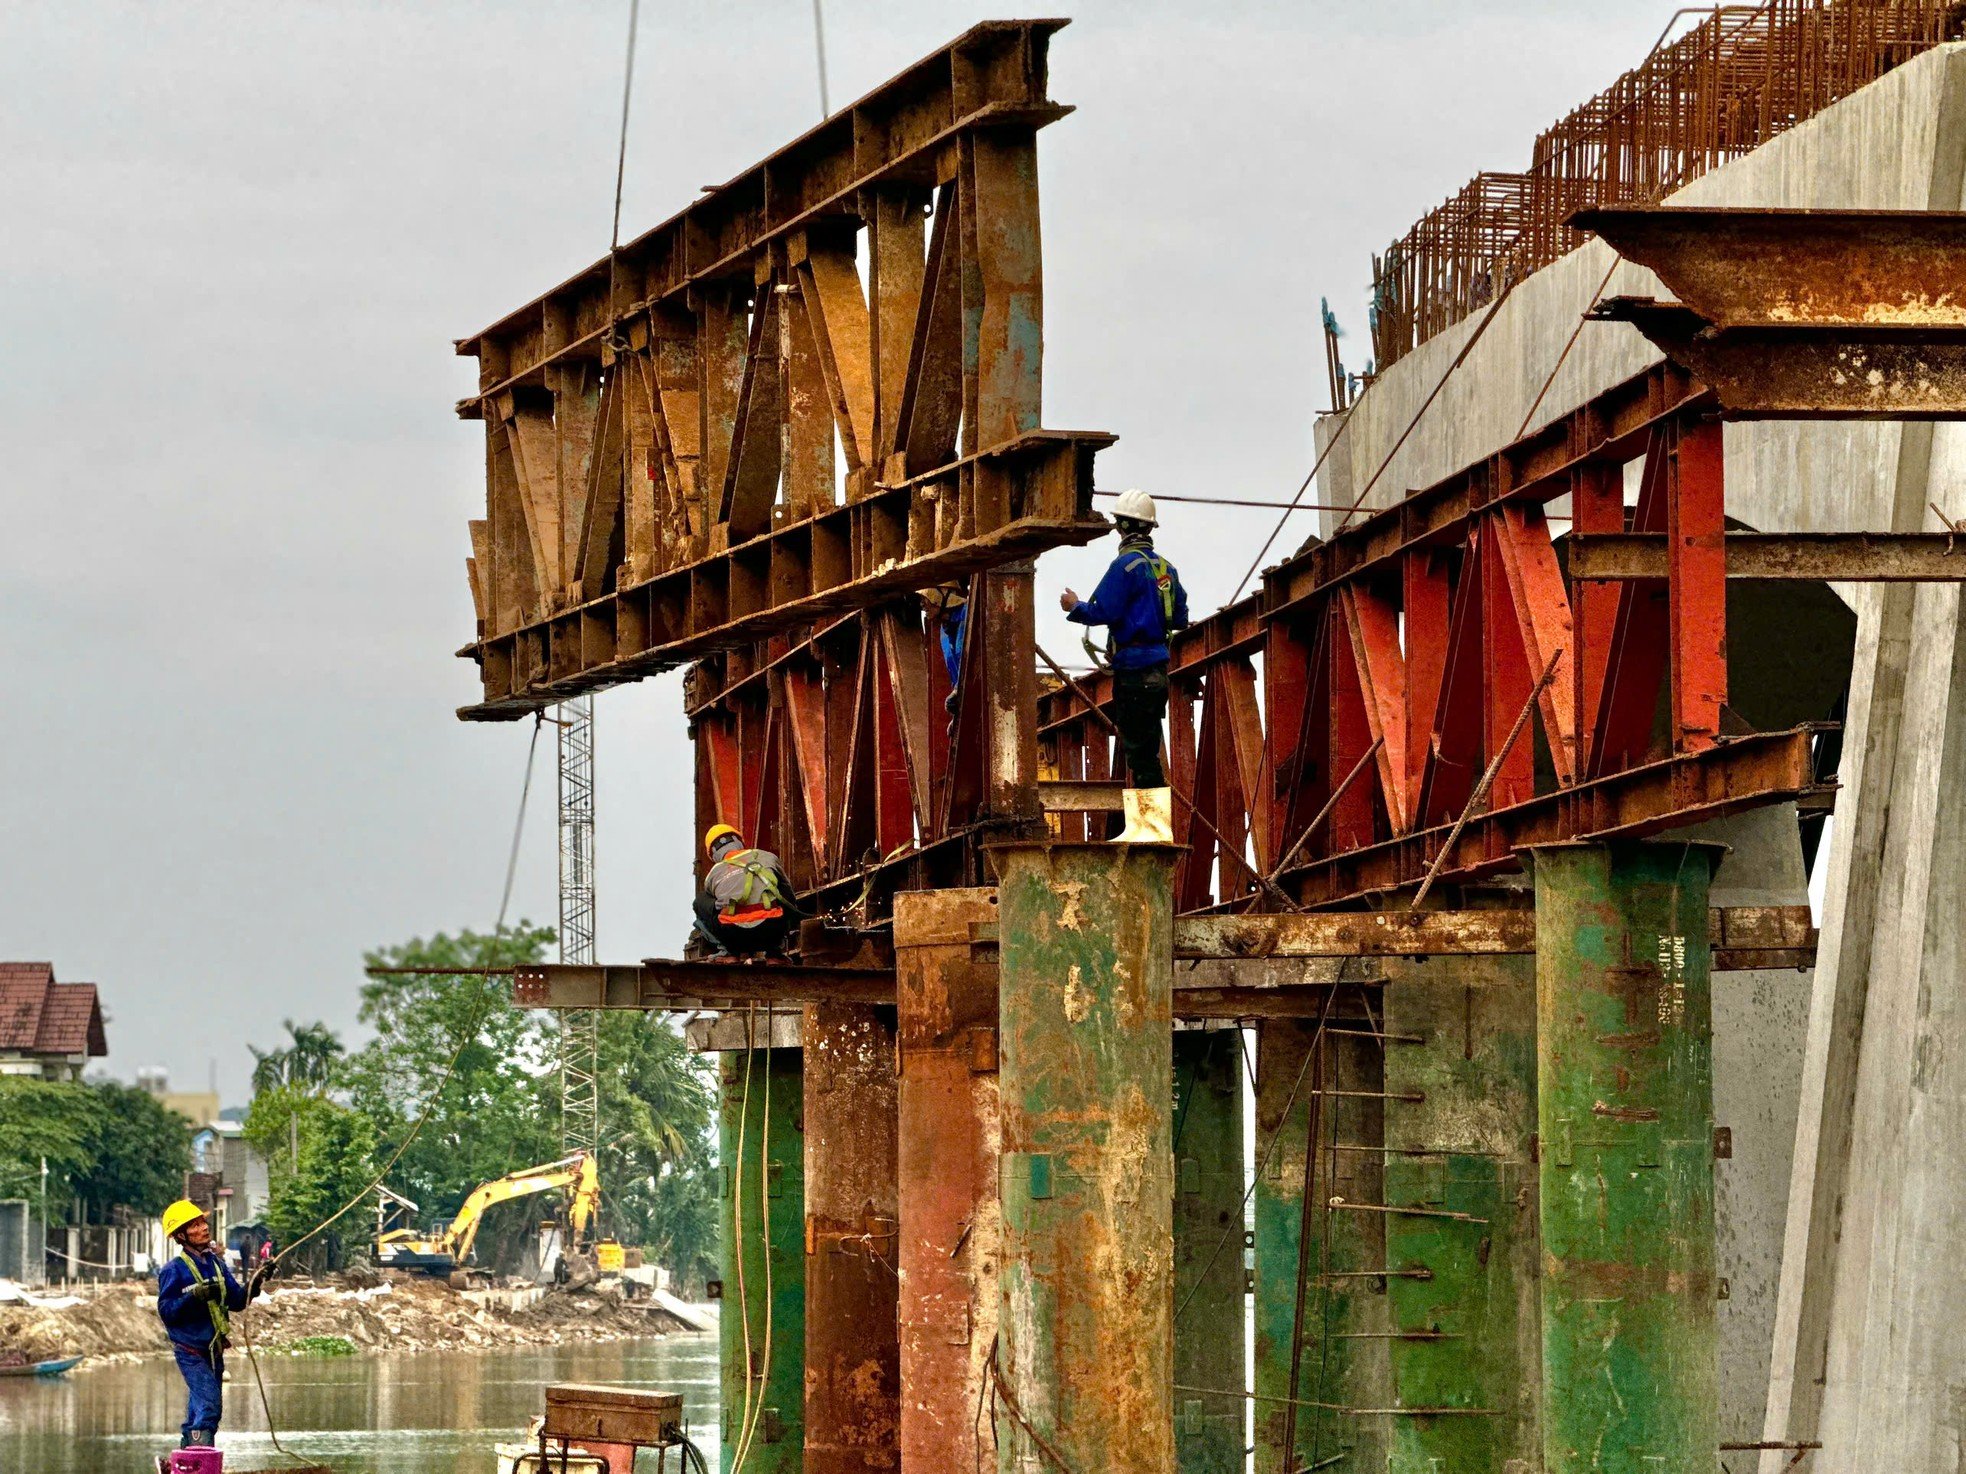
(435, 1412)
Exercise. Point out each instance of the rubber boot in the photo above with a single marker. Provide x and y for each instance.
(1149, 816)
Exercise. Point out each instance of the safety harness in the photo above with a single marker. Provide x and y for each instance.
(221, 1322)
(1141, 555)
(761, 899)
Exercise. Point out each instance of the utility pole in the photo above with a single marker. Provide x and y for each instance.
(580, 1126)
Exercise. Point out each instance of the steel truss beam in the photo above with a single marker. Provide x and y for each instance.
(668, 434)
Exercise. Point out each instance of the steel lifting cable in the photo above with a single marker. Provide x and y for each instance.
(429, 1105)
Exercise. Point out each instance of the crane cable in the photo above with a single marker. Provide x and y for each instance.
(512, 858)
(429, 1105)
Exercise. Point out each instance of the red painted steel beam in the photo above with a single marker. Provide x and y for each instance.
(1576, 447)
(1735, 774)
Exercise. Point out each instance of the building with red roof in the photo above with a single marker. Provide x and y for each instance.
(48, 1030)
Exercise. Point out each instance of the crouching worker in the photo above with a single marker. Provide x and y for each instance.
(1141, 601)
(746, 906)
(196, 1297)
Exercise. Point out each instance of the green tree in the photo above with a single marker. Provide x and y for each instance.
(139, 1153)
(320, 1155)
(497, 1111)
(500, 1108)
(57, 1122)
(308, 1058)
(657, 1158)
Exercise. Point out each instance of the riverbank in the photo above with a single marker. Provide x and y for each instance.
(402, 1313)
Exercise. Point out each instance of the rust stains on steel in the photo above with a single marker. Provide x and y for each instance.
(950, 1137)
(1626, 1136)
(1725, 87)
(1741, 268)
(1085, 1341)
(852, 1353)
(1806, 371)
(1824, 557)
(1803, 314)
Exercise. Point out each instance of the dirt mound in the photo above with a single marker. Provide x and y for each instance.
(401, 1313)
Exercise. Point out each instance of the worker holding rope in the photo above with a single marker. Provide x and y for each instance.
(196, 1298)
(1142, 601)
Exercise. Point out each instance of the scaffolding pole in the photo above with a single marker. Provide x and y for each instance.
(580, 1125)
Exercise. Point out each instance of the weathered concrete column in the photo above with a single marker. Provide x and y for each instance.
(1086, 1357)
(1625, 1106)
(951, 1230)
(1324, 1279)
(1461, 1035)
(761, 1108)
(1209, 1350)
(852, 1346)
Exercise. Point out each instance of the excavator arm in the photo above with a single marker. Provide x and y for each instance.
(577, 1172)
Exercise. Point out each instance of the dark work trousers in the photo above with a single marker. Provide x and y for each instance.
(1139, 706)
(204, 1379)
(764, 936)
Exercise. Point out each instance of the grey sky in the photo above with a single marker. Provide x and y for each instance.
(238, 240)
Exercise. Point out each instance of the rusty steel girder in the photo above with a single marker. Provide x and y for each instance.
(1803, 314)
(661, 430)
(1817, 557)
(1809, 371)
(1752, 267)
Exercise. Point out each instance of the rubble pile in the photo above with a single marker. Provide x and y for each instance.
(400, 1313)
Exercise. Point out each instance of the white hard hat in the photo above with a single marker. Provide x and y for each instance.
(1137, 505)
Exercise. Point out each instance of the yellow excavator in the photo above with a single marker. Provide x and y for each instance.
(448, 1250)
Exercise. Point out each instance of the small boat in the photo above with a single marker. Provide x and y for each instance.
(13, 1364)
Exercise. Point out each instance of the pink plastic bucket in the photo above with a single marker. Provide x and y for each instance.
(197, 1461)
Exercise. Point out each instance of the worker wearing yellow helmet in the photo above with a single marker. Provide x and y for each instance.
(745, 907)
(196, 1296)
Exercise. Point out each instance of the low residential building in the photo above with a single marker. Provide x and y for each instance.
(48, 1030)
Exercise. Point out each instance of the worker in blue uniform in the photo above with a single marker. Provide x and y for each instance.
(196, 1297)
(1142, 602)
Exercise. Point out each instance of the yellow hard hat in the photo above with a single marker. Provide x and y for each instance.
(180, 1213)
(717, 832)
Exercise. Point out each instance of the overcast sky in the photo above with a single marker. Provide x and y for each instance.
(236, 241)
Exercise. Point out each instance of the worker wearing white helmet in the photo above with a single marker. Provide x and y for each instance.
(1141, 601)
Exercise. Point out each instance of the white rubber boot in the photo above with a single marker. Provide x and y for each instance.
(1149, 816)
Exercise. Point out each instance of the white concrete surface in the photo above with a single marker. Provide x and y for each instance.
(1868, 1331)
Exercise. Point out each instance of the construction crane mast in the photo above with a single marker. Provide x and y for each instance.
(580, 1127)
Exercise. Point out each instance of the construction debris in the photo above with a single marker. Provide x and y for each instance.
(401, 1312)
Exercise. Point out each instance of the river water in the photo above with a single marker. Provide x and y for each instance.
(433, 1412)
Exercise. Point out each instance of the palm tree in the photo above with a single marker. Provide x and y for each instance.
(308, 1058)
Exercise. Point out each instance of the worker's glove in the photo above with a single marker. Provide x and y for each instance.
(256, 1281)
(208, 1291)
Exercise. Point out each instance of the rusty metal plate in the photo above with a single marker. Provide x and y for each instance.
(1763, 268)
(1803, 372)
(614, 1415)
(1830, 557)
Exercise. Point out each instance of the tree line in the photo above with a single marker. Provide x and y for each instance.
(327, 1119)
(451, 1044)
